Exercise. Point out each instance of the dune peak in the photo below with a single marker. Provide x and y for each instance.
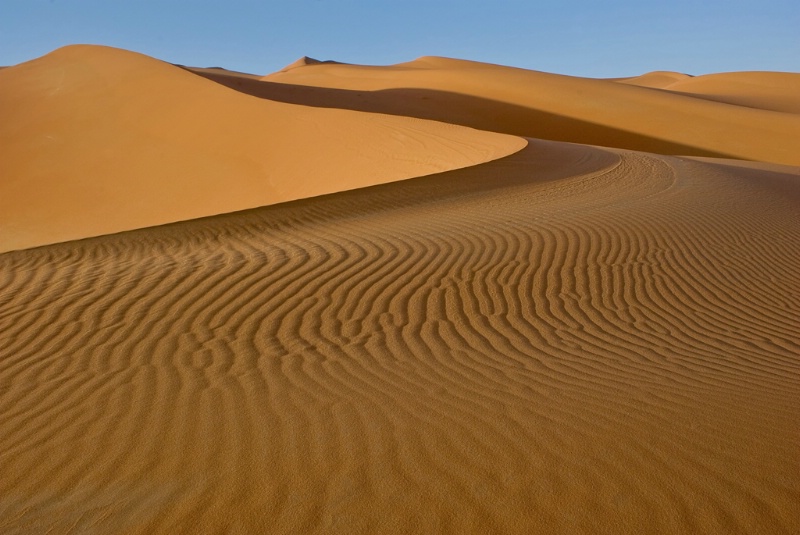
(306, 61)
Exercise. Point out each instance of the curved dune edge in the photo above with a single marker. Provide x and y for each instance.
(775, 91)
(751, 116)
(655, 79)
(96, 140)
(567, 340)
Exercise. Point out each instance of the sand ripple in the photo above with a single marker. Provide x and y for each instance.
(609, 345)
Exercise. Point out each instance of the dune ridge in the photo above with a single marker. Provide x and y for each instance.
(568, 339)
(775, 91)
(654, 79)
(713, 115)
(96, 140)
(305, 60)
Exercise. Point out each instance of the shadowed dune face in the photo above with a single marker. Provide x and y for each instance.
(457, 108)
(97, 140)
(614, 114)
(565, 340)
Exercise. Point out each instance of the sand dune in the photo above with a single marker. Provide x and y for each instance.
(776, 91)
(566, 340)
(220, 71)
(713, 117)
(655, 79)
(97, 140)
(546, 337)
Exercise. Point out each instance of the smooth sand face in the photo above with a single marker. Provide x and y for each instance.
(97, 140)
(569, 339)
(775, 91)
(655, 79)
(566, 108)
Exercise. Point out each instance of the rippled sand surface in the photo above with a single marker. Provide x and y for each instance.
(566, 340)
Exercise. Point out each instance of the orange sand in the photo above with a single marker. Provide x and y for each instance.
(567, 339)
(97, 140)
(686, 121)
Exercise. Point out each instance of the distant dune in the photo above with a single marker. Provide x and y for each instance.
(546, 337)
(97, 140)
(655, 79)
(703, 116)
(776, 91)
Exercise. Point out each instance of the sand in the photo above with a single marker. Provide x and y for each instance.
(776, 91)
(755, 117)
(567, 339)
(96, 140)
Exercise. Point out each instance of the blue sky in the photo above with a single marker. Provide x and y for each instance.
(578, 37)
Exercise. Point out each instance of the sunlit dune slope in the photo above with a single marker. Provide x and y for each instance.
(778, 91)
(549, 106)
(96, 140)
(655, 79)
(566, 340)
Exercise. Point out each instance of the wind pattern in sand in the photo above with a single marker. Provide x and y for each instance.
(594, 347)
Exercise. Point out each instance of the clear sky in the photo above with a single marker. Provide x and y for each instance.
(578, 37)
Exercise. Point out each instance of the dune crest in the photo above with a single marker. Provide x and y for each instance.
(632, 114)
(304, 61)
(96, 140)
(655, 79)
(775, 91)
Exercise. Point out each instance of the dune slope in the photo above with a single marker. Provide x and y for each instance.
(754, 125)
(97, 140)
(777, 91)
(655, 79)
(568, 340)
